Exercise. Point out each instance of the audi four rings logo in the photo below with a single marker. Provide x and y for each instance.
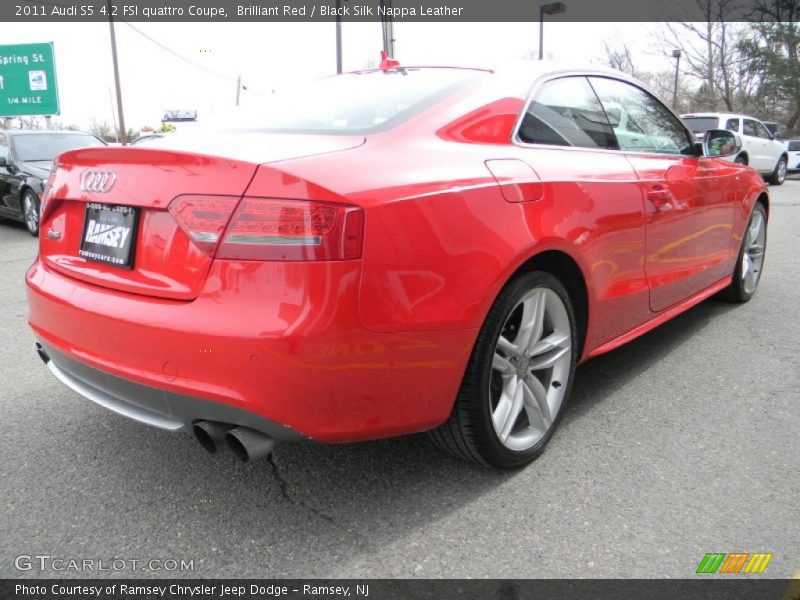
(98, 181)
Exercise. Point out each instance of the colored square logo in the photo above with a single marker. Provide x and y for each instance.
(38, 81)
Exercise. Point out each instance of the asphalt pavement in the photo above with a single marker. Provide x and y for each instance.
(683, 442)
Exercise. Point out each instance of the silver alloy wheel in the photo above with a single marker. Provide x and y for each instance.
(30, 213)
(530, 369)
(753, 255)
(781, 171)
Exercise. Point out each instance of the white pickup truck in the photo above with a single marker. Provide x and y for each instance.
(760, 149)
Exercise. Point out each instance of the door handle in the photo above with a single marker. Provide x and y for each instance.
(660, 197)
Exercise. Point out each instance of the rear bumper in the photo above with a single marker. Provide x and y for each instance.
(148, 405)
(277, 347)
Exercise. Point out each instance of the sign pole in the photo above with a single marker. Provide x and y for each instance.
(122, 130)
(338, 37)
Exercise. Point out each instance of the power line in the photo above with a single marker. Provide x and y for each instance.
(180, 56)
(163, 47)
(190, 61)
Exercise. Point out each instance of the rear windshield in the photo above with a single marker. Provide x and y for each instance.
(794, 146)
(358, 103)
(701, 124)
(45, 147)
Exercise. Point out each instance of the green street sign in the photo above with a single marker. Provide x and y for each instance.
(28, 80)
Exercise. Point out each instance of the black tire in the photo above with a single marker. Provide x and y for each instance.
(741, 159)
(30, 211)
(736, 291)
(778, 175)
(469, 433)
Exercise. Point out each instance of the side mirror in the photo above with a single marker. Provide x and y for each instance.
(3, 161)
(721, 142)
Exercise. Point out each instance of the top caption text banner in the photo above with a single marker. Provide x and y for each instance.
(608, 11)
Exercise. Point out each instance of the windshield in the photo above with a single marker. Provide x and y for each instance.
(701, 124)
(45, 147)
(357, 103)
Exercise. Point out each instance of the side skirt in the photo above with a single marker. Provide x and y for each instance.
(661, 318)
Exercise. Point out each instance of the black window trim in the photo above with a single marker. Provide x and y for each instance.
(599, 103)
(540, 82)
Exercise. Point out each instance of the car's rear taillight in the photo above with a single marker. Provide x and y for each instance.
(203, 218)
(271, 229)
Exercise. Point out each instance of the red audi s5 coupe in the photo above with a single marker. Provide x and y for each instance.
(385, 252)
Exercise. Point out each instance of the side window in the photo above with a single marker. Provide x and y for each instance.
(641, 123)
(732, 125)
(762, 131)
(566, 112)
(750, 128)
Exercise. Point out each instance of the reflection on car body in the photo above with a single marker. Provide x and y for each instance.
(430, 249)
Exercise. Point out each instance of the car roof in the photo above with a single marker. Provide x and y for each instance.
(531, 69)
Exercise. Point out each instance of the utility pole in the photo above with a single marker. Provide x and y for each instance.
(122, 131)
(387, 27)
(238, 88)
(676, 54)
(113, 114)
(338, 37)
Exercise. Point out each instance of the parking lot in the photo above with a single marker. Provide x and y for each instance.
(683, 442)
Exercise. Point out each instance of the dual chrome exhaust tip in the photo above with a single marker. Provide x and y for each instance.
(246, 444)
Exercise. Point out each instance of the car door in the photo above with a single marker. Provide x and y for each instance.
(773, 149)
(590, 197)
(9, 180)
(793, 148)
(756, 146)
(688, 211)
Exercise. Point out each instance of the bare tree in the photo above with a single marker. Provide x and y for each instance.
(773, 48)
(620, 58)
(711, 56)
(63, 126)
(102, 130)
(21, 123)
(624, 58)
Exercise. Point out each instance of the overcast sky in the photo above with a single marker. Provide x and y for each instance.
(272, 55)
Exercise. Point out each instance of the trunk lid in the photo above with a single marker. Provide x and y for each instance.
(165, 262)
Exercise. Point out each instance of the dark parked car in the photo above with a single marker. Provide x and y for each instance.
(147, 139)
(25, 161)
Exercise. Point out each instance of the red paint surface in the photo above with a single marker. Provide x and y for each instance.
(373, 347)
